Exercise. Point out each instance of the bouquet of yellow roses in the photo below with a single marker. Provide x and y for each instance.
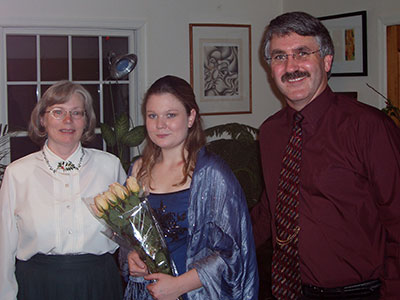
(127, 213)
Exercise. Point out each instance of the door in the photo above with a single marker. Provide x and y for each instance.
(393, 65)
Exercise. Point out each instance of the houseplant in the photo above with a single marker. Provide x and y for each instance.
(238, 146)
(391, 110)
(122, 136)
(4, 150)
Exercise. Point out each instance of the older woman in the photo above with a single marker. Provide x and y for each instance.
(51, 247)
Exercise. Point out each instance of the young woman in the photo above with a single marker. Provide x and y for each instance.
(198, 202)
(44, 224)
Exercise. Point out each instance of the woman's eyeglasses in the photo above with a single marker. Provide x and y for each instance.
(60, 114)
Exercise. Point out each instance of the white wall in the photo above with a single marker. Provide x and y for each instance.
(166, 34)
(379, 14)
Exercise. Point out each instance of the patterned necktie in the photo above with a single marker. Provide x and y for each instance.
(286, 280)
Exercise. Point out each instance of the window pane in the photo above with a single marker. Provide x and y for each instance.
(85, 58)
(112, 45)
(21, 146)
(21, 58)
(119, 94)
(54, 57)
(21, 101)
(44, 88)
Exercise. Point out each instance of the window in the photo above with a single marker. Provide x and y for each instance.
(35, 58)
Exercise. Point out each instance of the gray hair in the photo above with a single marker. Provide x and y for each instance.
(302, 24)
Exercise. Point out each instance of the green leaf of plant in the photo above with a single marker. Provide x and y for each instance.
(244, 159)
(121, 126)
(133, 200)
(108, 134)
(134, 137)
(116, 219)
(236, 131)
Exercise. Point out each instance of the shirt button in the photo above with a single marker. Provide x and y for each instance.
(70, 231)
(69, 206)
(67, 185)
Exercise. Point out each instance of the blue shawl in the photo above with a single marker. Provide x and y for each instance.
(220, 241)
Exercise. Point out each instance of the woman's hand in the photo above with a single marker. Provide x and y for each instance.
(164, 287)
(167, 287)
(137, 267)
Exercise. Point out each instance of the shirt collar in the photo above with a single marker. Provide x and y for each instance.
(54, 161)
(314, 111)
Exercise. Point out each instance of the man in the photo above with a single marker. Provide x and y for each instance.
(338, 235)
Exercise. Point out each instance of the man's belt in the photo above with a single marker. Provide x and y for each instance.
(364, 289)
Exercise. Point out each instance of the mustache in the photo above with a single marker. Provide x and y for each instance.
(294, 75)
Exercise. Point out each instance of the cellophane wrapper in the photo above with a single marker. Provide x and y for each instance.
(132, 225)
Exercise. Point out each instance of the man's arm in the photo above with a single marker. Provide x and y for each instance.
(383, 162)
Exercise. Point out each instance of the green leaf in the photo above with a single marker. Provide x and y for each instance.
(121, 126)
(125, 164)
(133, 200)
(108, 134)
(236, 131)
(116, 219)
(243, 157)
(128, 206)
(134, 137)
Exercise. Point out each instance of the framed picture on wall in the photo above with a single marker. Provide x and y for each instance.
(220, 67)
(349, 35)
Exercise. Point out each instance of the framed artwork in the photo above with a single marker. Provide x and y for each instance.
(220, 67)
(349, 35)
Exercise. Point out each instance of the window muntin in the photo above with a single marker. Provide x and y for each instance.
(36, 60)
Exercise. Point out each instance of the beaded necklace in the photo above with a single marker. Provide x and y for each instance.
(64, 165)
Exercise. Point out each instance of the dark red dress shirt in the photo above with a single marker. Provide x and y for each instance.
(349, 211)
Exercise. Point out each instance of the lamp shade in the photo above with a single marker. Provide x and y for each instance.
(122, 65)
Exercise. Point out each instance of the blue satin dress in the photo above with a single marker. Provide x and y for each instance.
(171, 212)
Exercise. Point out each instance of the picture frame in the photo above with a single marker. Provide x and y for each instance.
(220, 67)
(349, 35)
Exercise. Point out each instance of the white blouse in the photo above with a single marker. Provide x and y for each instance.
(42, 208)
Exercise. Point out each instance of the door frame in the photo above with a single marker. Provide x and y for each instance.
(383, 23)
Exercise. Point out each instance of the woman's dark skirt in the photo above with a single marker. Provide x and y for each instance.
(69, 277)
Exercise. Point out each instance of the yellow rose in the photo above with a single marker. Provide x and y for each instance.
(132, 185)
(97, 212)
(111, 198)
(101, 202)
(119, 190)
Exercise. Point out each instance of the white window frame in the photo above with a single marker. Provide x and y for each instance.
(134, 30)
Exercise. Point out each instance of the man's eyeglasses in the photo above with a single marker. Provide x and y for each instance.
(60, 114)
(299, 55)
